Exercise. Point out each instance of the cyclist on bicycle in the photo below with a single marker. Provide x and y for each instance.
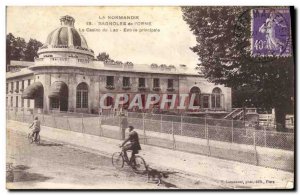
(134, 144)
(36, 128)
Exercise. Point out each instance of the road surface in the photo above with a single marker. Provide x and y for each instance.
(57, 165)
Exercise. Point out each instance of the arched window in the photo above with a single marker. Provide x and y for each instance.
(82, 96)
(197, 92)
(216, 98)
(109, 101)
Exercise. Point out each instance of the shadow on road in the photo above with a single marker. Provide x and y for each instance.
(157, 176)
(19, 174)
(50, 144)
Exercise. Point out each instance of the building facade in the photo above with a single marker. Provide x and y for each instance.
(65, 77)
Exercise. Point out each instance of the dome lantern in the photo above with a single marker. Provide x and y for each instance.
(67, 21)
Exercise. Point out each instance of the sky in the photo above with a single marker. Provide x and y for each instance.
(169, 46)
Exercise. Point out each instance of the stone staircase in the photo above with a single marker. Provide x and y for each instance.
(240, 113)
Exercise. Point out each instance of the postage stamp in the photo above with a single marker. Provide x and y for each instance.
(271, 32)
(264, 34)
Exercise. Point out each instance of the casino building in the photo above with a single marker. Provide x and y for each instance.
(66, 77)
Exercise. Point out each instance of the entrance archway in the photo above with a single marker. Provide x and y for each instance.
(59, 94)
(195, 90)
(35, 91)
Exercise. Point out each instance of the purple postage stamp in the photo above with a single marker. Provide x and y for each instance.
(271, 32)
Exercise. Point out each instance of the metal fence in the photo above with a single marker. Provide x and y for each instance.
(161, 130)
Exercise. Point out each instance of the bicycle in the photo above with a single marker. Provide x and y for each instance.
(32, 140)
(139, 165)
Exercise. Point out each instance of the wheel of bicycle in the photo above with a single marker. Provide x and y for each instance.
(117, 160)
(30, 138)
(140, 165)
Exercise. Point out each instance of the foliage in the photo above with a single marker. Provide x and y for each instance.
(18, 49)
(103, 56)
(224, 56)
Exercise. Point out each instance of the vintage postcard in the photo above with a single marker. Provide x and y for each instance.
(186, 97)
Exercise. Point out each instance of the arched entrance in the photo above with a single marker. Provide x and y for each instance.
(197, 92)
(35, 91)
(59, 94)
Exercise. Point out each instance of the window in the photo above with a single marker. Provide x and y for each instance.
(38, 102)
(157, 103)
(156, 82)
(17, 101)
(6, 88)
(126, 104)
(54, 103)
(17, 86)
(6, 101)
(28, 103)
(216, 98)
(11, 102)
(170, 83)
(109, 81)
(142, 82)
(82, 96)
(12, 87)
(143, 97)
(126, 81)
(109, 101)
(206, 101)
(22, 103)
(169, 97)
(23, 85)
(28, 82)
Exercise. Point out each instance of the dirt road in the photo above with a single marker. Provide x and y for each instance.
(58, 165)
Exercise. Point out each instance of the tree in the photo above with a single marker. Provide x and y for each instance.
(225, 59)
(103, 56)
(15, 48)
(18, 49)
(31, 50)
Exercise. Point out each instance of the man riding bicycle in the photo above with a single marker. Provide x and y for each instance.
(36, 128)
(134, 144)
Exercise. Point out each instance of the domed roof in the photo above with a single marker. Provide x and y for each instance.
(66, 35)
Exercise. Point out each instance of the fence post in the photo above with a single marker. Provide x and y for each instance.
(69, 123)
(81, 122)
(43, 117)
(23, 116)
(181, 124)
(265, 136)
(254, 142)
(160, 123)
(120, 128)
(145, 141)
(207, 137)
(100, 125)
(174, 143)
(53, 115)
(232, 131)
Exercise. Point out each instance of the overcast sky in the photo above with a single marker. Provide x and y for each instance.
(169, 46)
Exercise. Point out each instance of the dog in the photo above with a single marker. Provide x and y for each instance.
(155, 175)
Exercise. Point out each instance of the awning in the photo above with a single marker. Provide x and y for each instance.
(32, 91)
(57, 89)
